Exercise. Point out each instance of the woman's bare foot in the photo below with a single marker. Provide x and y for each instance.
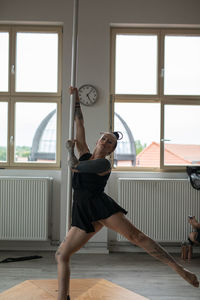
(188, 276)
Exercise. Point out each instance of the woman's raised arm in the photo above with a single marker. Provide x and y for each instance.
(81, 144)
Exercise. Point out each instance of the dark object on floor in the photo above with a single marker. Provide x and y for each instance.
(13, 259)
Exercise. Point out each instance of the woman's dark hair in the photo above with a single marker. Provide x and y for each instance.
(118, 134)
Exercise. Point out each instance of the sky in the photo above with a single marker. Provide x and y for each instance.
(136, 65)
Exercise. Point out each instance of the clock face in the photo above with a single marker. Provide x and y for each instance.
(87, 94)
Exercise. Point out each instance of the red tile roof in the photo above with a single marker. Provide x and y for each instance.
(174, 154)
(188, 152)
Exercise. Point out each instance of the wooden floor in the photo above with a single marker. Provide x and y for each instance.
(137, 272)
(80, 289)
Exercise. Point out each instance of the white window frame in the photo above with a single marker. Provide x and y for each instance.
(13, 97)
(159, 97)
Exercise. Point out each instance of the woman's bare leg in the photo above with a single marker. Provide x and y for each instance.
(119, 223)
(75, 239)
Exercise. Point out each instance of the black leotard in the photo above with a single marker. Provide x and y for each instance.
(90, 203)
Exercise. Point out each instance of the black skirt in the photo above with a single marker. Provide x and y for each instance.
(90, 203)
(87, 209)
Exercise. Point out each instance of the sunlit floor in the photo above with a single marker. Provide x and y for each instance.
(137, 272)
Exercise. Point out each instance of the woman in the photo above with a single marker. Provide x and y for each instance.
(194, 236)
(93, 209)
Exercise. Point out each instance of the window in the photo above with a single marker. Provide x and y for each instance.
(136, 55)
(182, 65)
(182, 123)
(4, 61)
(30, 96)
(155, 92)
(36, 59)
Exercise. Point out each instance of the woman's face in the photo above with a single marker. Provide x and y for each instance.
(107, 143)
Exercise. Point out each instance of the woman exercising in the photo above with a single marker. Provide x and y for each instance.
(92, 208)
(194, 236)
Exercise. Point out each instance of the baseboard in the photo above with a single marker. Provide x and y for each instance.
(115, 246)
(92, 247)
(28, 245)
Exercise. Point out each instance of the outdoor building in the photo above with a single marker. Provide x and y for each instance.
(174, 154)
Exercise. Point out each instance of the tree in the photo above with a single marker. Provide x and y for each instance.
(23, 151)
(3, 154)
(139, 147)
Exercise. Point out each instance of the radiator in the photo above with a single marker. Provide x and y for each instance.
(25, 208)
(159, 207)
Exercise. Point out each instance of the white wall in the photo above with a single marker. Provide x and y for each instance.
(95, 18)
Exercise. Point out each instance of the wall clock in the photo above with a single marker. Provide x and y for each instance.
(88, 94)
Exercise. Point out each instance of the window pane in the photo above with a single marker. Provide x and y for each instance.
(140, 125)
(182, 65)
(37, 62)
(3, 131)
(182, 123)
(35, 132)
(4, 61)
(136, 64)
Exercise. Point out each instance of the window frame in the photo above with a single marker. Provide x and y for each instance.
(12, 96)
(160, 97)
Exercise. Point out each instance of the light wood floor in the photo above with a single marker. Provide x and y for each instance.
(137, 272)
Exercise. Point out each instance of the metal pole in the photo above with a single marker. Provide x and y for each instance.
(72, 106)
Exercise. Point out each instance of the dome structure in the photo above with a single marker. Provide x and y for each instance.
(44, 141)
(125, 153)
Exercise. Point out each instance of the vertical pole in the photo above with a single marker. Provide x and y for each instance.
(72, 106)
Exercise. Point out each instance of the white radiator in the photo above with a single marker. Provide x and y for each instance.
(25, 208)
(159, 207)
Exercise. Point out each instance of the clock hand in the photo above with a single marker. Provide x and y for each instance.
(89, 92)
(88, 97)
